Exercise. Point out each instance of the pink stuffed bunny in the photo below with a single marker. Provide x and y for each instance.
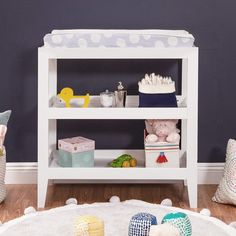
(162, 131)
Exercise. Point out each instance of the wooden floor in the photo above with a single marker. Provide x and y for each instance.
(21, 196)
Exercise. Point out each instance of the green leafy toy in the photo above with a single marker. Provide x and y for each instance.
(124, 160)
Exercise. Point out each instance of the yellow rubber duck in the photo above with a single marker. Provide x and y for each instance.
(67, 94)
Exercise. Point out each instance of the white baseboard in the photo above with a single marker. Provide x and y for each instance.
(210, 173)
(21, 173)
(26, 173)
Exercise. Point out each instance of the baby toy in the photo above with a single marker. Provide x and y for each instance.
(89, 226)
(173, 224)
(162, 131)
(140, 224)
(124, 160)
(179, 220)
(67, 94)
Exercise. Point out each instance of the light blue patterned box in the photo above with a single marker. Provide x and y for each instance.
(79, 159)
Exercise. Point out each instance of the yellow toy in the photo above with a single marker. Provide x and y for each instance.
(89, 226)
(67, 94)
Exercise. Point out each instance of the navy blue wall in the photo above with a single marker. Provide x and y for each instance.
(24, 23)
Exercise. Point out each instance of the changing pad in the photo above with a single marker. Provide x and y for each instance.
(82, 38)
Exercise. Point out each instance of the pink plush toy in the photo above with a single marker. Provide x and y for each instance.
(162, 131)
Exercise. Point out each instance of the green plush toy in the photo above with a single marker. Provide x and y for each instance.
(124, 160)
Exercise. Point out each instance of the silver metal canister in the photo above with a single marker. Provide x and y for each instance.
(120, 96)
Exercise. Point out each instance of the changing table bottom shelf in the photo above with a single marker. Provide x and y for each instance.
(102, 172)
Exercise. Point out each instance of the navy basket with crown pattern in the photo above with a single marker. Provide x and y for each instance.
(157, 91)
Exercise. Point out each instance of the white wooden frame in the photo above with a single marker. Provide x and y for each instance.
(47, 119)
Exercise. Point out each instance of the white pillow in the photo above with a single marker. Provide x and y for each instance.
(226, 192)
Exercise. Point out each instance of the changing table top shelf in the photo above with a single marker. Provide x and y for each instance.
(117, 53)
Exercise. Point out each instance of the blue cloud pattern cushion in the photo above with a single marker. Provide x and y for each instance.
(4, 117)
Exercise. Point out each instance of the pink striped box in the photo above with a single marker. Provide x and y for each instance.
(76, 144)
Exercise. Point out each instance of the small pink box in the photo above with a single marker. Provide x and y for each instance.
(76, 144)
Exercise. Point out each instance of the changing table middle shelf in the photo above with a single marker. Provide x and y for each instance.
(117, 113)
(131, 111)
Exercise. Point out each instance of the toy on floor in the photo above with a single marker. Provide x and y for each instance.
(124, 160)
(164, 230)
(67, 94)
(179, 220)
(140, 224)
(162, 131)
(89, 226)
(173, 224)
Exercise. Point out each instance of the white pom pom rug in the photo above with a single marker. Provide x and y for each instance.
(60, 221)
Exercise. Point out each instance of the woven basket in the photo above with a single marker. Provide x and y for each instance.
(2, 177)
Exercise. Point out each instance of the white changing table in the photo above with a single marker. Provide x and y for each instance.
(48, 116)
